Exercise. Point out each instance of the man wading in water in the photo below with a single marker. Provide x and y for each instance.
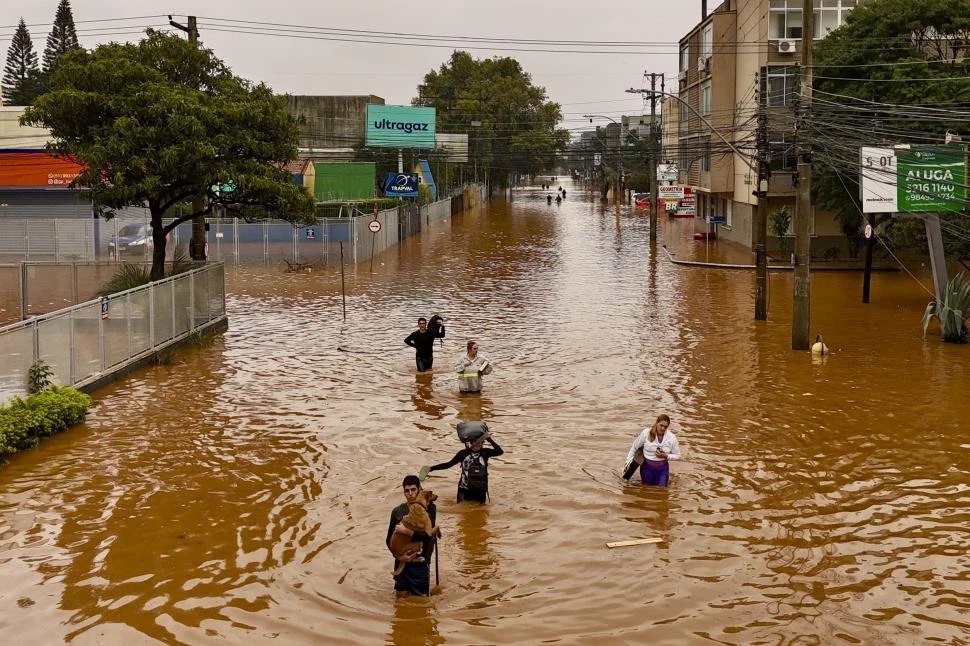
(422, 340)
(416, 577)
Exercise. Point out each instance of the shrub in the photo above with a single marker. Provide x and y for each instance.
(25, 422)
(39, 377)
(780, 220)
(952, 312)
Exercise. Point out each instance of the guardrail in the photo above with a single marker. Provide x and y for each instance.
(90, 341)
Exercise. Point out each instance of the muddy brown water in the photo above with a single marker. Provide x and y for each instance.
(240, 494)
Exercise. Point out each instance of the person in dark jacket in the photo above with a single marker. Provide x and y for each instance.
(422, 340)
(473, 482)
(416, 577)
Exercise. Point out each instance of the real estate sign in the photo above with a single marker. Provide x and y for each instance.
(914, 179)
(400, 126)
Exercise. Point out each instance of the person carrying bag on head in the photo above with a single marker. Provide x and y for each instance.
(470, 369)
(473, 482)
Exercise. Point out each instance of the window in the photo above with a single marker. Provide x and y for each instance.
(683, 113)
(683, 156)
(785, 17)
(706, 156)
(707, 41)
(684, 58)
(781, 149)
(781, 85)
(706, 99)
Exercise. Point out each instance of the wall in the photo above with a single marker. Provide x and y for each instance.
(15, 136)
(330, 121)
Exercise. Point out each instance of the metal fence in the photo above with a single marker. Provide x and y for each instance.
(91, 340)
(230, 240)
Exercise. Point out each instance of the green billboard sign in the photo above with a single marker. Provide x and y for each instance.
(400, 126)
(931, 179)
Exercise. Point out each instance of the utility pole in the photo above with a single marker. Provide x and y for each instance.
(654, 153)
(197, 250)
(761, 212)
(802, 290)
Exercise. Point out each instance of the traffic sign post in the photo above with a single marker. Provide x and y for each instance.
(374, 226)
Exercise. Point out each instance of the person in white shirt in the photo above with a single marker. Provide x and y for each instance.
(470, 369)
(652, 449)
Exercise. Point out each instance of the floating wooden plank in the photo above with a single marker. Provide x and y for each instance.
(637, 541)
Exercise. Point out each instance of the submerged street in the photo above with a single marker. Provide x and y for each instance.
(240, 494)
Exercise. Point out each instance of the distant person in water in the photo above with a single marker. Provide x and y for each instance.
(548, 199)
(422, 340)
(558, 199)
(652, 450)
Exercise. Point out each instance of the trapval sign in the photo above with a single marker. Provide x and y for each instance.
(400, 126)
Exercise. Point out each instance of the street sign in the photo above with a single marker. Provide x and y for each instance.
(868, 231)
(223, 189)
(374, 226)
(913, 179)
(104, 307)
(717, 219)
(667, 172)
(670, 193)
(401, 185)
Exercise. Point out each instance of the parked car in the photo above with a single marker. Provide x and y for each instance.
(132, 239)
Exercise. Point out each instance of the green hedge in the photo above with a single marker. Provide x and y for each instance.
(25, 422)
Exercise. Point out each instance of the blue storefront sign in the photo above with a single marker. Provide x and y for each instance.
(401, 185)
(717, 219)
(400, 126)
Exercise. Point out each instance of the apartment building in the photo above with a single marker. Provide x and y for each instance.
(743, 53)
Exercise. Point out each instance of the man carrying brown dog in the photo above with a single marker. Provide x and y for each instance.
(416, 577)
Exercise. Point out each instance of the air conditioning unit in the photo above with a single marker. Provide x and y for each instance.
(787, 46)
(682, 75)
(702, 63)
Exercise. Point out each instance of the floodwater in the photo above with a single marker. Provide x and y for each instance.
(240, 494)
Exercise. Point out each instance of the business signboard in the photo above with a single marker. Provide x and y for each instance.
(667, 172)
(401, 185)
(454, 147)
(400, 126)
(913, 179)
(32, 169)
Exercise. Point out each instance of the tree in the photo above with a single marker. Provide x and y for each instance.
(21, 75)
(159, 121)
(517, 124)
(894, 73)
(63, 35)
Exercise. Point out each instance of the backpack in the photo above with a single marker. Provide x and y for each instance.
(476, 474)
(434, 326)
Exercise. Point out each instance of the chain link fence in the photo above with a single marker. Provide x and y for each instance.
(89, 341)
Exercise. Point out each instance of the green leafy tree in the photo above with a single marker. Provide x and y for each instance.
(873, 76)
(22, 81)
(160, 121)
(63, 36)
(516, 131)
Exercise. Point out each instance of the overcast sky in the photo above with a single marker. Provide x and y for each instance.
(580, 82)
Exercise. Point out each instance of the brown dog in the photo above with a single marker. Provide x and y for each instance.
(404, 547)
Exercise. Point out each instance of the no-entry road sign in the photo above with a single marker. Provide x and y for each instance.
(374, 226)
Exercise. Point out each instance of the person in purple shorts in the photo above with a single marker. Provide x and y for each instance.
(652, 451)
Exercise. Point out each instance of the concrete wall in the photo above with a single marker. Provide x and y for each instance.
(331, 121)
(13, 135)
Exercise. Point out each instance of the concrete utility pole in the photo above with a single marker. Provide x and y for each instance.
(802, 290)
(654, 153)
(197, 250)
(761, 214)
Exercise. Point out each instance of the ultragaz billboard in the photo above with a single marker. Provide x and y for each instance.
(400, 126)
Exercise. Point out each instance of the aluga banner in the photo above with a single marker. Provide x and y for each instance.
(400, 126)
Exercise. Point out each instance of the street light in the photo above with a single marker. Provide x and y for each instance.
(619, 159)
